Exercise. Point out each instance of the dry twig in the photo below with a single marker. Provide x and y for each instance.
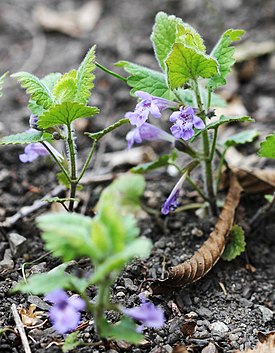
(20, 328)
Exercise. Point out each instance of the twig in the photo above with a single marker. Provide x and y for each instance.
(20, 328)
(27, 210)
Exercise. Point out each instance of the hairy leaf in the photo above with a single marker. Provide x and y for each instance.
(164, 36)
(267, 147)
(241, 138)
(2, 78)
(51, 79)
(209, 253)
(162, 161)
(65, 113)
(85, 77)
(184, 64)
(147, 80)
(38, 91)
(188, 36)
(25, 138)
(125, 329)
(224, 54)
(236, 244)
(65, 88)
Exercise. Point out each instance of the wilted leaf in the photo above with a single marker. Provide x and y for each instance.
(209, 253)
(30, 317)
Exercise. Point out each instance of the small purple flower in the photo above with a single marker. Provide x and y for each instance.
(171, 203)
(147, 132)
(184, 122)
(147, 313)
(33, 151)
(148, 104)
(33, 121)
(65, 313)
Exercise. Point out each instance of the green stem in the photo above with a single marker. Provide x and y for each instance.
(213, 147)
(58, 162)
(208, 180)
(112, 73)
(219, 172)
(72, 152)
(197, 188)
(85, 166)
(98, 135)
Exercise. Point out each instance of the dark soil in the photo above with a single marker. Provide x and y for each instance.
(235, 300)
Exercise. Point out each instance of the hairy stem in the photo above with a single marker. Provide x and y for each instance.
(208, 180)
(85, 166)
(72, 152)
(112, 73)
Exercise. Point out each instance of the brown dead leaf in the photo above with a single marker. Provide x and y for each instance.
(188, 328)
(72, 22)
(180, 348)
(268, 346)
(30, 317)
(209, 253)
(252, 180)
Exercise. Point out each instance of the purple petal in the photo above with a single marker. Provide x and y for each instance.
(176, 131)
(198, 123)
(57, 296)
(175, 116)
(133, 136)
(154, 110)
(143, 95)
(76, 302)
(187, 134)
(64, 320)
(33, 151)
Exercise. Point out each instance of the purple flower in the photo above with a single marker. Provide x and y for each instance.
(33, 151)
(148, 104)
(171, 203)
(184, 122)
(33, 121)
(65, 313)
(147, 313)
(147, 132)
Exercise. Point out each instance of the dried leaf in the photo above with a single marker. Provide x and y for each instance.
(253, 180)
(188, 328)
(30, 317)
(209, 253)
(180, 348)
(72, 22)
(267, 346)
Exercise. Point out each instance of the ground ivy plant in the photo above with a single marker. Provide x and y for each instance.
(56, 101)
(109, 240)
(185, 84)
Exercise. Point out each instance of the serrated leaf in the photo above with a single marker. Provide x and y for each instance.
(37, 90)
(43, 283)
(236, 244)
(267, 147)
(224, 120)
(65, 113)
(71, 342)
(184, 64)
(25, 138)
(2, 78)
(188, 36)
(164, 36)
(67, 235)
(162, 161)
(147, 80)
(241, 138)
(125, 329)
(66, 87)
(85, 77)
(224, 54)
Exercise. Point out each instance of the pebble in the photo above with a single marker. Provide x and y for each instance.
(204, 312)
(219, 329)
(245, 303)
(7, 262)
(202, 334)
(120, 295)
(168, 348)
(210, 348)
(130, 285)
(18, 244)
(266, 313)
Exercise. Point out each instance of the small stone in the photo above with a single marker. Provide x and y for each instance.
(219, 328)
(33, 299)
(245, 303)
(168, 348)
(120, 295)
(7, 262)
(233, 337)
(17, 244)
(130, 285)
(266, 313)
(204, 312)
(202, 334)
(210, 348)
(197, 232)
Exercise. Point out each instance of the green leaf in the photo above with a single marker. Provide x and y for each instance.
(187, 97)
(223, 120)
(65, 88)
(188, 36)
(38, 91)
(67, 235)
(63, 180)
(269, 198)
(184, 64)
(125, 329)
(236, 244)
(2, 78)
(267, 147)
(65, 113)
(71, 342)
(147, 80)
(162, 161)
(85, 77)
(60, 200)
(224, 54)
(241, 138)
(164, 36)
(24, 138)
(44, 283)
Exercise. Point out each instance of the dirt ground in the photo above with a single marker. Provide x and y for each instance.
(235, 300)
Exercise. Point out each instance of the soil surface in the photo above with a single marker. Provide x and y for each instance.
(235, 300)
